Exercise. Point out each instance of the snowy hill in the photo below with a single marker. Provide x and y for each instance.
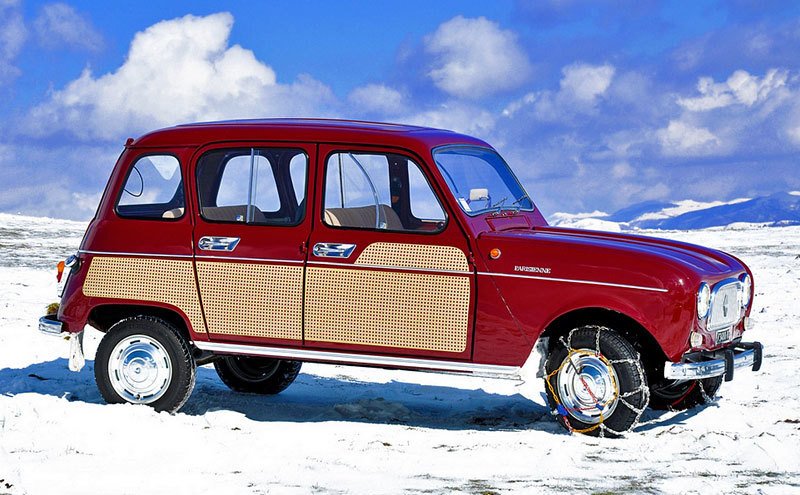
(780, 209)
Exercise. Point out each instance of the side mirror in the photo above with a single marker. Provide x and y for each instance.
(481, 194)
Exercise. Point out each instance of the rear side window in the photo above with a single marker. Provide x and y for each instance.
(261, 186)
(153, 189)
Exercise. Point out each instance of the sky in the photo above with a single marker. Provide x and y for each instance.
(596, 105)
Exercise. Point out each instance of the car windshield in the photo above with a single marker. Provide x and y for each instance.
(480, 180)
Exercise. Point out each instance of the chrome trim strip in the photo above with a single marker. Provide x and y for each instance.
(236, 258)
(706, 369)
(387, 267)
(363, 359)
(574, 281)
(120, 253)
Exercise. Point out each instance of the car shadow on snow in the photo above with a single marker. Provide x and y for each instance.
(313, 398)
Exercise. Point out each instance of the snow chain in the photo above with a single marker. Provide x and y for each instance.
(563, 411)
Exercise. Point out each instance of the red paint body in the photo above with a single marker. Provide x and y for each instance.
(652, 281)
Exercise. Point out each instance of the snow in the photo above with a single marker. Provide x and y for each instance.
(358, 430)
(685, 206)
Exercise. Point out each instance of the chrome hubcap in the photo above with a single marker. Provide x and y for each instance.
(140, 369)
(588, 386)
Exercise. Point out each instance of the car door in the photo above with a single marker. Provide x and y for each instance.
(388, 271)
(249, 240)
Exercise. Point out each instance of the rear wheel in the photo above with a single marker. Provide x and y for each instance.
(679, 395)
(145, 360)
(595, 383)
(256, 375)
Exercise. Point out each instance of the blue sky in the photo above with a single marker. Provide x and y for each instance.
(596, 105)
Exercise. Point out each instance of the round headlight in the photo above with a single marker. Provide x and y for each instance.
(746, 283)
(703, 300)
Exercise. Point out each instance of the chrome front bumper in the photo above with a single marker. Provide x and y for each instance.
(49, 325)
(718, 363)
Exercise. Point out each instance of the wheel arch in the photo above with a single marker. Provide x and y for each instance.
(102, 317)
(653, 357)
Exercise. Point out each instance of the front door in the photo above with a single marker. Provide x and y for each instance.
(249, 240)
(387, 270)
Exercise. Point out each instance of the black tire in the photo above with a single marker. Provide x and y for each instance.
(170, 354)
(619, 393)
(673, 395)
(254, 375)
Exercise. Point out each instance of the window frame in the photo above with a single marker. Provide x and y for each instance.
(452, 193)
(382, 151)
(124, 183)
(254, 146)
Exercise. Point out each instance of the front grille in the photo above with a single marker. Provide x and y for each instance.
(726, 306)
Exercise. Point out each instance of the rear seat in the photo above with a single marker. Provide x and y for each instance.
(362, 217)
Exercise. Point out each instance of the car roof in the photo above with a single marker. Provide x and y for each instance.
(302, 130)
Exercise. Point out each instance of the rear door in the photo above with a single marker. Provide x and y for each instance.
(250, 235)
(388, 271)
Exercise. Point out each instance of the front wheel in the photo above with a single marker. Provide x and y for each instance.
(679, 395)
(144, 360)
(595, 382)
(257, 375)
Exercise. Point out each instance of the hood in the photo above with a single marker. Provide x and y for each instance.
(610, 256)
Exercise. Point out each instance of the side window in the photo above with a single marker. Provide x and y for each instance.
(383, 191)
(153, 189)
(253, 185)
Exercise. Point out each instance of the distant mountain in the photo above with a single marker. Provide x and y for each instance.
(774, 210)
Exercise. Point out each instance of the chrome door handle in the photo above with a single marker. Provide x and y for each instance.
(212, 243)
(333, 250)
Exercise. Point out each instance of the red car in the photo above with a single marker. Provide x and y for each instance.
(259, 245)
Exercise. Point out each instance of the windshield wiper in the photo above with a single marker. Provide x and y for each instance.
(498, 206)
(519, 200)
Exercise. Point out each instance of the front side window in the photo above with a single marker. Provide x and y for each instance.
(383, 191)
(153, 189)
(262, 186)
(480, 180)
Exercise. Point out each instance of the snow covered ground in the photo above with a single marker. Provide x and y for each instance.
(358, 430)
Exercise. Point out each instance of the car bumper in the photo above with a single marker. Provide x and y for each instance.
(49, 325)
(718, 363)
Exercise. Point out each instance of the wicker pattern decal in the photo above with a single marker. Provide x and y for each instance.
(160, 280)
(414, 256)
(406, 310)
(254, 300)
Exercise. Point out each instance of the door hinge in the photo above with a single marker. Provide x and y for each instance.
(303, 247)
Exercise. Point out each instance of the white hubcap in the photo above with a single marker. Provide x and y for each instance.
(588, 386)
(140, 369)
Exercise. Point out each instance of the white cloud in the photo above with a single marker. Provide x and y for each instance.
(377, 98)
(682, 139)
(740, 88)
(455, 116)
(176, 71)
(474, 58)
(13, 34)
(586, 82)
(59, 25)
(622, 170)
(794, 134)
(580, 89)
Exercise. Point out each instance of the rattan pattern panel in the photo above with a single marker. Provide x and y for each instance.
(414, 256)
(255, 300)
(160, 280)
(389, 309)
